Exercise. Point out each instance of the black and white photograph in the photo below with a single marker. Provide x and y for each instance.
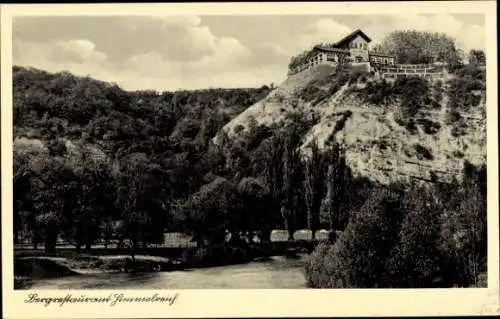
(249, 151)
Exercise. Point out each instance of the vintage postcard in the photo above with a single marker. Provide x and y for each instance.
(249, 159)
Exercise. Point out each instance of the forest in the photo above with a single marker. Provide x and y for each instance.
(87, 153)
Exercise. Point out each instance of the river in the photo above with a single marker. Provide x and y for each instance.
(279, 272)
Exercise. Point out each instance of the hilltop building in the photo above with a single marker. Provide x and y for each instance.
(355, 48)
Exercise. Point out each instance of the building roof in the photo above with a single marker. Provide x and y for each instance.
(351, 36)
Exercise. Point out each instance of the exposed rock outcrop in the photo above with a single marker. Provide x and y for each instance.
(377, 145)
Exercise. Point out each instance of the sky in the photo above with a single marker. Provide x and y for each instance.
(168, 53)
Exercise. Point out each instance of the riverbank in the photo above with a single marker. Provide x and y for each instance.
(40, 266)
(278, 272)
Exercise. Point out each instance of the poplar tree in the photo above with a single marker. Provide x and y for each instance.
(274, 173)
(314, 180)
(292, 183)
(336, 187)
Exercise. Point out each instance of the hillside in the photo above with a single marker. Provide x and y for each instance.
(62, 112)
(390, 129)
(62, 118)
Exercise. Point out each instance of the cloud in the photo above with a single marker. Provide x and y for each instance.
(326, 30)
(224, 62)
(467, 36)
(226, 53)
(189, 52)
(77, 56)
(154, 53)
(79, 50)
(267, 54)
(179, 38)
(314, 32)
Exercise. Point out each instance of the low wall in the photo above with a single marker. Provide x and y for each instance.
(433, 75)
(411, 69)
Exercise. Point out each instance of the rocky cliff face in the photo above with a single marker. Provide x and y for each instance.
(433, 144)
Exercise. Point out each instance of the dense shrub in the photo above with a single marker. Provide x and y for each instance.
(453, 117)
(459, 128)
(464, 237)
(461, 93)
(424, 236)
(340, 124)
(430, 127)
(310, 92)
(358, 258)
(357, 74)
(464, 87)
(423, 152)
(238, 129)
(417, 261)
(437, 95)
(415, 94)
(316, 264)
(379, 92)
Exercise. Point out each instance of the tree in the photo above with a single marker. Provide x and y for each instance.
(143, 213)
(417, 260)
(29, 156)
(274, 173)
(94, 203)
(49, 227)
(23, 206)
(209, 212)
(298, 59)
(415, 47)
(53, 200)
(314, 187)
(359, 256)
(291, 180)
(464, 235)
(477, 57)
(336, 188)
(255, 212)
